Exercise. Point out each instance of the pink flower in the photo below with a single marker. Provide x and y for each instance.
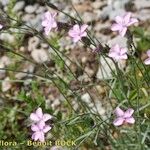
(77, 32)
(39, 131)
(123, 117)
(1, 26)
(118, 53)
(147, 61)
(122, 23)
(49, 22)
(38, 116)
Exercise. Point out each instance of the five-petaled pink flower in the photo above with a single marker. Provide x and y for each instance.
(49, 22)
(123, 117)
(38, 116)
(118, 53)
(122, 23)
(77, 32)
(1, 26)
(147, 61)
(39, 126)
(39, 130)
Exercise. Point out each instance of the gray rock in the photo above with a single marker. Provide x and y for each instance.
(31, 8)
(139, 4)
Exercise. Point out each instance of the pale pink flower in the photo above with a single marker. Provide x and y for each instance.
(49, 22)
(77, 32)
(1, 26)
(123, 117)
(38, 116)
(122, 23)
(118, 53)
(39, 130)
(147, 61)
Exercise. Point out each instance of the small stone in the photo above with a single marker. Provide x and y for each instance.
(33, 43)
(31, 8)
(39, 55)
(41, 9)
(7, 37)
(104, 71)
(86, 98)
(6, 85)
(97, 4)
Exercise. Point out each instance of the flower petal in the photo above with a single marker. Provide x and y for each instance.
(123, 51)
(116, 27)
(119, 19)
(35, 136)
(76, 28)
(41, 137)
(1, 26)
(34, 117)
(148, 52)
(46, 128)
(127, 17)
(119, 121)
(123, 31)
(39, 112)
(130, 120)
(132, 21)
(128, 113)
(34, 128)
(147, 61)
(47, 117)
(119, 112)
(76, 39)
(124, 56)
(84, 27)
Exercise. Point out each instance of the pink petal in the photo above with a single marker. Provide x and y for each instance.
(84, 27)
(73, 33)
(112, 54)
(34, 127)
(1, 26)
(76, 39)
(34, 117)
(76, 28)
(35, 136)
(115, 48)
(44, 23)
(47, 30)
(47, 117)
(116, 27)
(54, 14)
(84, 34)
(127, 18)
(119, 121)
(39, 112)
(124, 56)
(119, 19)
(41, 125)
(148, 53)
(132, 21)
(123, 31)
(41, 137)
(119, 112)
(147, 61)
(130, 120)
(128, 113)
(123, 51)
(46, 129)
(54, 25)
